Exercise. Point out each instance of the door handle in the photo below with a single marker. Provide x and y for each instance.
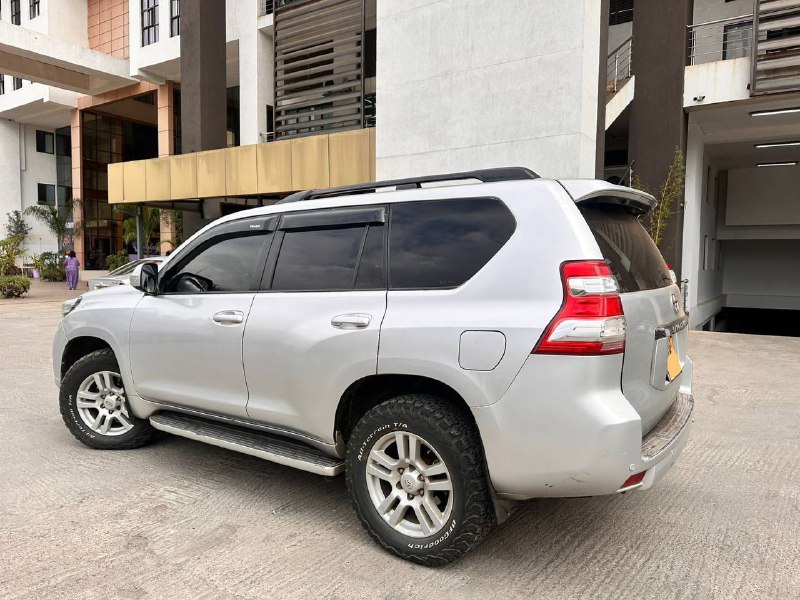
(228, 317)
(351, 321)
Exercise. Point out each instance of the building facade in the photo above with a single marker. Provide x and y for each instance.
(201, 108)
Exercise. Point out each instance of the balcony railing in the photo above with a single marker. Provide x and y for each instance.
(619, 67)
(722, 39)
(266, 7)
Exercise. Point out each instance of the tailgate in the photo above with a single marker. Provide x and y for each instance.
(656, 326)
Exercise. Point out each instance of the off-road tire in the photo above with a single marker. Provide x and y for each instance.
(451, 430)
(100, 360)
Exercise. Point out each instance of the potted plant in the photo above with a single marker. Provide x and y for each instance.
(38, 265)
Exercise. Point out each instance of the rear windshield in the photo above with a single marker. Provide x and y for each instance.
(633, 257)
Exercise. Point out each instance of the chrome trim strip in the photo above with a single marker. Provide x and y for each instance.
(672, 327)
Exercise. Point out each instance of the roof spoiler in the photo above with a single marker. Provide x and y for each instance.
(585, 191)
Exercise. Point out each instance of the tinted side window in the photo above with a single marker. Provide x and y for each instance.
(443, 243)
(226, 263)
(372, 268)
(318, 259)
(633, 257)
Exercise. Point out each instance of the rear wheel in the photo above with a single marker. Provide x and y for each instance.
(415, 471)
(95, 407)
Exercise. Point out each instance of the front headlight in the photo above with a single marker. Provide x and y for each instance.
(69, 305)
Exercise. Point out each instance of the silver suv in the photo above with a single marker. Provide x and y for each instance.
(450, 348)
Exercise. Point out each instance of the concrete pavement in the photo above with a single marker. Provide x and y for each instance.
(178, 519)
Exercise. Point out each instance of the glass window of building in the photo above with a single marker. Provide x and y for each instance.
(15, 14)
(45, 142)
(46, 194)
(174, 18)
(34, 9)
(149, 22)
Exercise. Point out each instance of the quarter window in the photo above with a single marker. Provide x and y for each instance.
(443, 243)
(225, 263)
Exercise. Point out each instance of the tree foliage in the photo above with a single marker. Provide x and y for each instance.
(669, 195)
(16, 226)
(56, 218)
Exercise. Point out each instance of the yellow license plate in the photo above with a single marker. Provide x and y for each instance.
(673, 362)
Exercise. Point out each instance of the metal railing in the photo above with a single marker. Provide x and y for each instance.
(723, 39)
(619, 67)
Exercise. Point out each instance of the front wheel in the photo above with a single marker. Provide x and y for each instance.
(415, 472)
(95, 407)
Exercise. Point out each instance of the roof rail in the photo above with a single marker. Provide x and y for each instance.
(483, 175)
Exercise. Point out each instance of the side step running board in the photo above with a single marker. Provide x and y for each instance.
(269, 447)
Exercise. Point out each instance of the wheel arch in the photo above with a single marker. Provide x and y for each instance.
(370, 391)
(79, 347)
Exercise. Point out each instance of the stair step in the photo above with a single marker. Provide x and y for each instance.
(247, 441)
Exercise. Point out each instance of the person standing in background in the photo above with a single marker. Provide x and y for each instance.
(71, 269)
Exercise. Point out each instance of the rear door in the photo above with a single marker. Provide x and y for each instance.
(657, 332)
(314, 326)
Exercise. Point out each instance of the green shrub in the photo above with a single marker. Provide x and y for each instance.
(115, 261)
(52, 266)
(14, 286)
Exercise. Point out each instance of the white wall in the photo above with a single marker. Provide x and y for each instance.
(38, 168)
(465, 84)
(762, 273)
(256, 74)
(764, 196)
(9, 170)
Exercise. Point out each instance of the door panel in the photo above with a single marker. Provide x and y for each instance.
(303, 349)
(181, 355)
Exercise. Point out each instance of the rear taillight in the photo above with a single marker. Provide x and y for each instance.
(591, 320)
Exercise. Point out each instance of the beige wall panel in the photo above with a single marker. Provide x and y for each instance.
(183, 176)
(211, 173)
(241, 176)
(134, 173)
(274, 165)
(157, 172)
(372, 174)
(348, 154)
(310, 167)
(116, 182)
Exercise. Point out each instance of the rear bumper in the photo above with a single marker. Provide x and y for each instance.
(556, 434)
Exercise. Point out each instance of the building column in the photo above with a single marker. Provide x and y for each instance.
(77, 186)
(166, 147)
(256, 74)
(203, 93)
(692, 214)
(658, 122)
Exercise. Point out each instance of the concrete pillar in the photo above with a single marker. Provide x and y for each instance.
(658, 122)
(203, 96)
(166, 147)
(600, 135)
(256, 74)
(692, 213)
(77, 185)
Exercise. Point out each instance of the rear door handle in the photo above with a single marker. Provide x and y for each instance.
(351, 321)
(229, 317)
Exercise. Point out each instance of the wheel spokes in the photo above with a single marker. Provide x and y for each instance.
(380, 472)
(384, 459)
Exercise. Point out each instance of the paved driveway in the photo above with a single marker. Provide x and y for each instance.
(182, 520)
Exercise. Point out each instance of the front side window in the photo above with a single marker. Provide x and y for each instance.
(443, 243)
(34, 9)
(149, 22)
(45, 142)
(174, 18)
(15, 13)
(223, 263)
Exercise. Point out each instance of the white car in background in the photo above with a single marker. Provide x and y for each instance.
(122, 275)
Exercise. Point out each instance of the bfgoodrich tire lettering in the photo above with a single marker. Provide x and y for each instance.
(454, 448)
(117, 438)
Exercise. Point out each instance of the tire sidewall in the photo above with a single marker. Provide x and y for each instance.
(68, 392)
(363, 439)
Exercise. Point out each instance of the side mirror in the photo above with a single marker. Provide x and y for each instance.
(145, 278)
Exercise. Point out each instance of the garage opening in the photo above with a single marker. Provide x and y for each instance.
(758, 321)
